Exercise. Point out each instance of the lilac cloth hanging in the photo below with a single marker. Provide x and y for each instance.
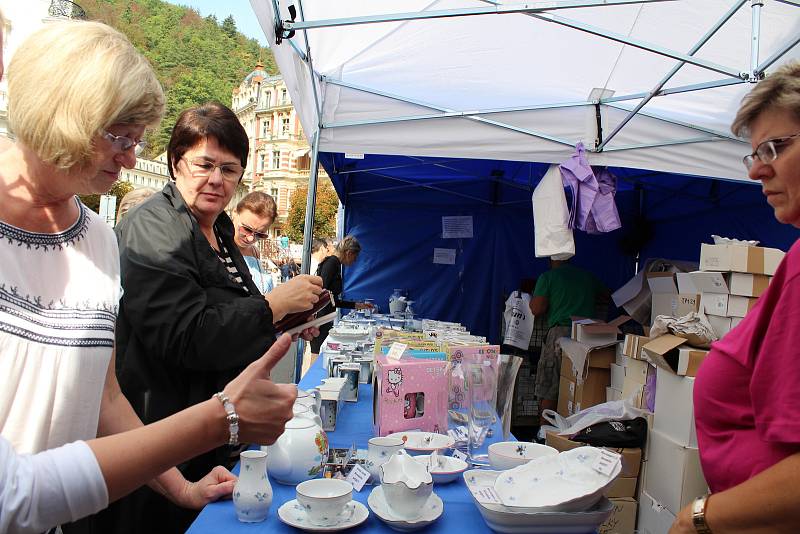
(593, 209)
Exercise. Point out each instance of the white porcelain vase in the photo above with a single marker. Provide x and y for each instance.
(299, 453)
(252, 494)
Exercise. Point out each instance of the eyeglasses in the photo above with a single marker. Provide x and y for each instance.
(121, 143)
(251, 231)
(202, 168)
(769, 150)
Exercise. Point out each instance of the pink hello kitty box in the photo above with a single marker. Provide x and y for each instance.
(409, 394)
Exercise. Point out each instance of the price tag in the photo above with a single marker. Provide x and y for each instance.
(396, 351)
(606, 462)
(358, 476)
(485, 494)
(460, 455)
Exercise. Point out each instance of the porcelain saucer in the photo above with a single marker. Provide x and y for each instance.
(430, 512)
(294, 515)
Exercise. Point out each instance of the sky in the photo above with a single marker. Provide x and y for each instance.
(246, 21)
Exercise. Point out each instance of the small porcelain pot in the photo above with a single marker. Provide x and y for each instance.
(299, 452)
(379, 450)
(325, 500)
(252, 494)
(406, 484)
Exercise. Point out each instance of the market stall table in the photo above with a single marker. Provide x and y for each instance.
(354, 425)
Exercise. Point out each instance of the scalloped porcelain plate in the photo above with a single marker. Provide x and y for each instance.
(431, 511)
(568, 482)
(502, 519)
(295, 515)
(424, 442)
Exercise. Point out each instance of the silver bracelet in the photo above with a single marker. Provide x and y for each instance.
(232, 417)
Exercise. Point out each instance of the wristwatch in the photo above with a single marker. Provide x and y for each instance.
(699, 515)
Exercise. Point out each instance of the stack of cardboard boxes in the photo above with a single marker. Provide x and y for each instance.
(730, 280)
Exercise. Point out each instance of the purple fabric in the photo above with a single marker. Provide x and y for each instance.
(593, 209)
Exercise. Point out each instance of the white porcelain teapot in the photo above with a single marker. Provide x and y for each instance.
(310, 399)
(299, 452)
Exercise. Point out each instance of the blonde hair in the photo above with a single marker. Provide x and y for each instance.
(72, 79)
(779, 90)
(133, 199)
(348, 244)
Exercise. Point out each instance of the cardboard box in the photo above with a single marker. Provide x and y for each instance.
(631, 457)
(623, 487)
(720, 325)
(595, 332)
(743, 259)
(674, 477)
(635, 392)
(714, 303)
(653, 517)
(740, 306)
(632, 346)
(393, 383)
(735, 322)
(574, 397)
(617, 376)
(596, 358)
(666, 300)
(623, 519)
(664, 352)
(613, 394)
(747, 285)
(637, 370)
(674, 415)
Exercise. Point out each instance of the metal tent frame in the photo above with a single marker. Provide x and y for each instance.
(285, 29)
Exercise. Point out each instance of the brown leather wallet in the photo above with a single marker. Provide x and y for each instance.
(297, 318)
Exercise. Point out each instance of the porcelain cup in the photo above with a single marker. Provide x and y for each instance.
(325, 500)
(406, 484)
(379, 451)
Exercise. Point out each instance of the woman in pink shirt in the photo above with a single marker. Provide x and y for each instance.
(747, 392)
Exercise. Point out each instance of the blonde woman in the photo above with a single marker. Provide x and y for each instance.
(253, 216)
(59, 262)
(133, 199)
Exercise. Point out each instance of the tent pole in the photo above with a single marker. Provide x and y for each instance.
(674, 70)
(775, 57)
(310, 64)
(755, 31)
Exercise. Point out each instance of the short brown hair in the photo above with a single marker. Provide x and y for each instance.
(781, 90)
(348, 244)
(259, 203)
(211, 119)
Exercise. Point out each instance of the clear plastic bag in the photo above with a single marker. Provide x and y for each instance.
(620, 410)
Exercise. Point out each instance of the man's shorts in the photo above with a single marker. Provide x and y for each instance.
(549, 368)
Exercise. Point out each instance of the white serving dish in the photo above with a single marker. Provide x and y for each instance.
(424, 442)
(503, 519)
(567, 482)
(407, 485)
(446, 470)
(510, 454)
(430, 512)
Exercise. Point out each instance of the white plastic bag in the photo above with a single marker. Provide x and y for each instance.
(552, 234)
(518, 320)
(621, 410)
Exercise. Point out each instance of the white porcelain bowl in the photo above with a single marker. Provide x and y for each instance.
(446, 470)
(406, 484)
(424, 442)
(324, 499)
(510, 454)
(502, 519)
(568, 482)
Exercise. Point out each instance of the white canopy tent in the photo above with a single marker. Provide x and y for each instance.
(649, 84)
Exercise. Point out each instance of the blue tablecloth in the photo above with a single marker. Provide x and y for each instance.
(354, 425)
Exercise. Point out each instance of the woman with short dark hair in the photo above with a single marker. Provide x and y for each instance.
(190, 315)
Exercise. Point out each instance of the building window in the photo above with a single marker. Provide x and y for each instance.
(276, 159)
(265, 127)
(274, 192)
(285, 126)
(261, 162)
(284, 96)
(267, 98)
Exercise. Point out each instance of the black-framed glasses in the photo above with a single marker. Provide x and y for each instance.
(120, 143)
(769, 150)
(258, 235)
(202, 168)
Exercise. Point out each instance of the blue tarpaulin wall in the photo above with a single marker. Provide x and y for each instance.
(394, 205)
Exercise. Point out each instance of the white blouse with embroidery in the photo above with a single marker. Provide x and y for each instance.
(59, 297)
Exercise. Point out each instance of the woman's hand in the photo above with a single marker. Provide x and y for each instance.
(683, 522)
(298, 294)
(263, 406)
(365, 306)
(217, 484)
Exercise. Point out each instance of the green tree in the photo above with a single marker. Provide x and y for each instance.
(324, 214)
(119, 190)
(229, 27)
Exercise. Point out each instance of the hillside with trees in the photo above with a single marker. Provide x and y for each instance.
(196, 58)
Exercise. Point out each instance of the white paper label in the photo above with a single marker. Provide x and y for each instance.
(605, 462)
(444, 256)
(358, 476)
(353, 155)
(396, 351)
(457, 227)
(485, 494)
(460, 455)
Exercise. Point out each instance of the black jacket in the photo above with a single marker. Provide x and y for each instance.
(184, 327)
(330, 270)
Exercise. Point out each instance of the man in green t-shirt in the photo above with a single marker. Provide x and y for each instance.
(561, 293)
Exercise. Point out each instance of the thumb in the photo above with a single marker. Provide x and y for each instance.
(273, 355)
